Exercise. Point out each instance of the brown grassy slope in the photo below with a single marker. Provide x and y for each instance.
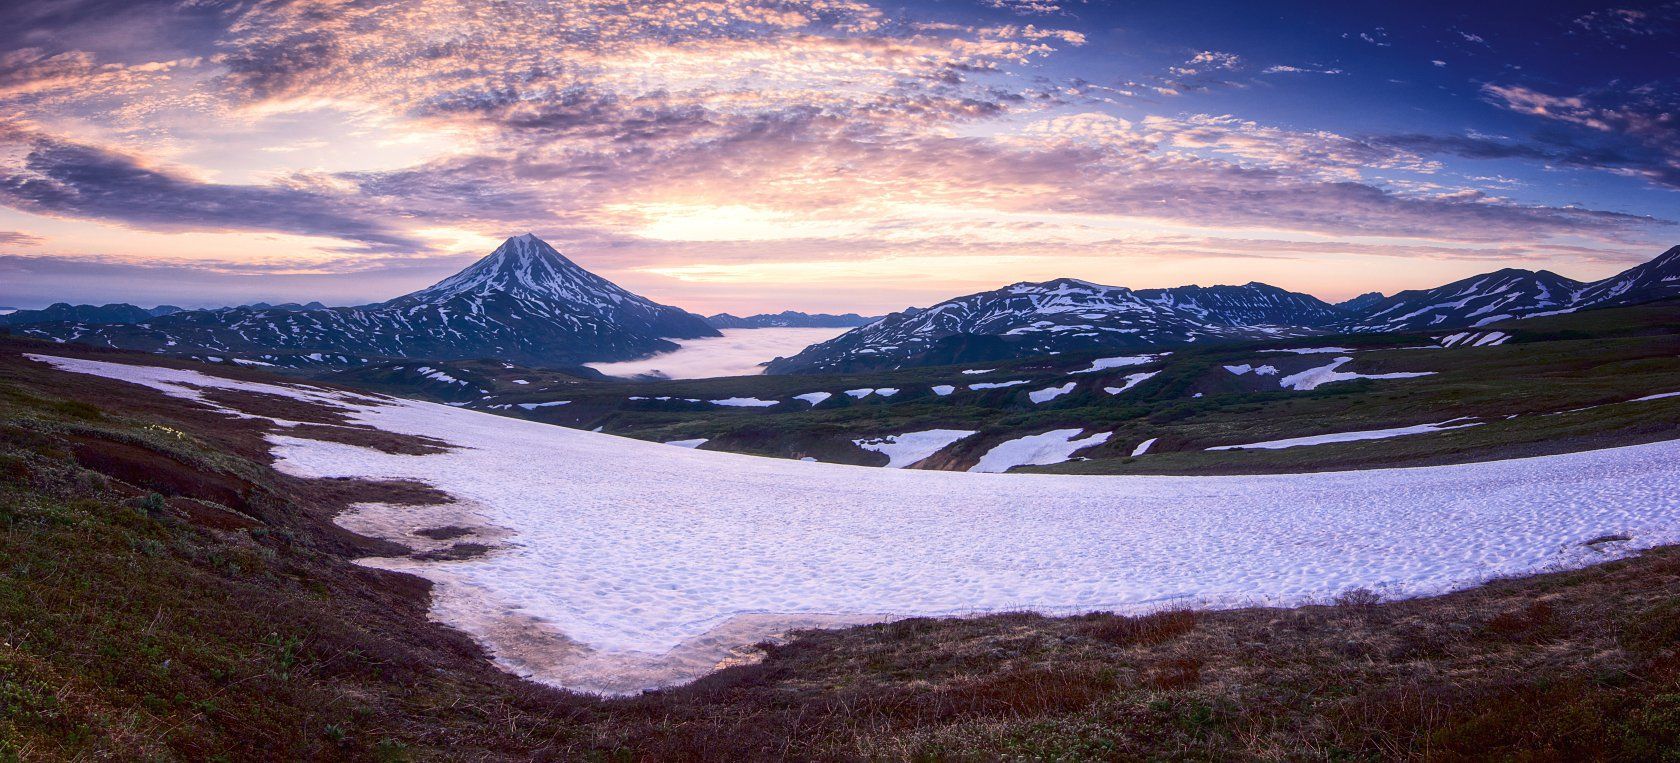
(221, 620)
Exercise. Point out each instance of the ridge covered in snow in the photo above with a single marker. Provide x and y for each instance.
(1069, 315)
(1515, 293)
(1064, 315)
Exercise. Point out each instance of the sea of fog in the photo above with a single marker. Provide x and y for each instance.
(737, 353)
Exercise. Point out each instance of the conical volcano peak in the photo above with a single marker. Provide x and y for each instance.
(526, 267)
(524, 247)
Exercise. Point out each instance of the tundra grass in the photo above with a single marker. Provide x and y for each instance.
(164, 595)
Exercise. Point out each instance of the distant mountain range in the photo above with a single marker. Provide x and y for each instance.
(525, 303)
(1066, 315)
(788, 319)
(64, 311)
(1515, 293)
(1359, 303)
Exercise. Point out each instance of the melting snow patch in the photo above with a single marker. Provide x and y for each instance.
(1313, 378)
(1049, 393)
(997, 385)
(1311, 350)
(1369, 434)
(1052, 447)
(814, 398)
(972, 371)
(1103, 364)
(1475, 339)
(910, 448)
(694, 443)
(1132, 380)
(943, 389)
(744, 402)
(550, 404)
(1143, 447)
(1654, 397)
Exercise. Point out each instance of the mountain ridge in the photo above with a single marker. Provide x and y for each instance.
(789, 319)
(115, 312)
(999, 323)
(1060, 315)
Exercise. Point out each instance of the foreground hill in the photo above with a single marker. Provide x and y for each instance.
(170, 596)
(525, 302)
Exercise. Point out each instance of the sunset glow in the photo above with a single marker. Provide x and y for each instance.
(754, 155)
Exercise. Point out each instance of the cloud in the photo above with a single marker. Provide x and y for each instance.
(35, 280)
(1638, 127)
(1025, 7)
(1286, 69)
(17, 238)
(1620, 23)
(1377, 37)
(1205, 70)
(60, 178)
(697, 133)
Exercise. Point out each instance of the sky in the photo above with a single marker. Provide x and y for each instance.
(826, 155)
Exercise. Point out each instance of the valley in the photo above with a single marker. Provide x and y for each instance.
(1544, 385)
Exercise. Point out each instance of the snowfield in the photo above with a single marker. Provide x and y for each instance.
(630, 564)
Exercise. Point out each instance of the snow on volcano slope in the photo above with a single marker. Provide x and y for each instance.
(633, 564)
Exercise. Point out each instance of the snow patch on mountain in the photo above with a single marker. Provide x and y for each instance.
(910, 448)
(1052, 447)
(1369, 434)
(1313, 378)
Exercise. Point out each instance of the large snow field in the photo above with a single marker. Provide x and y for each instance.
(737, 353)
(632, 564)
